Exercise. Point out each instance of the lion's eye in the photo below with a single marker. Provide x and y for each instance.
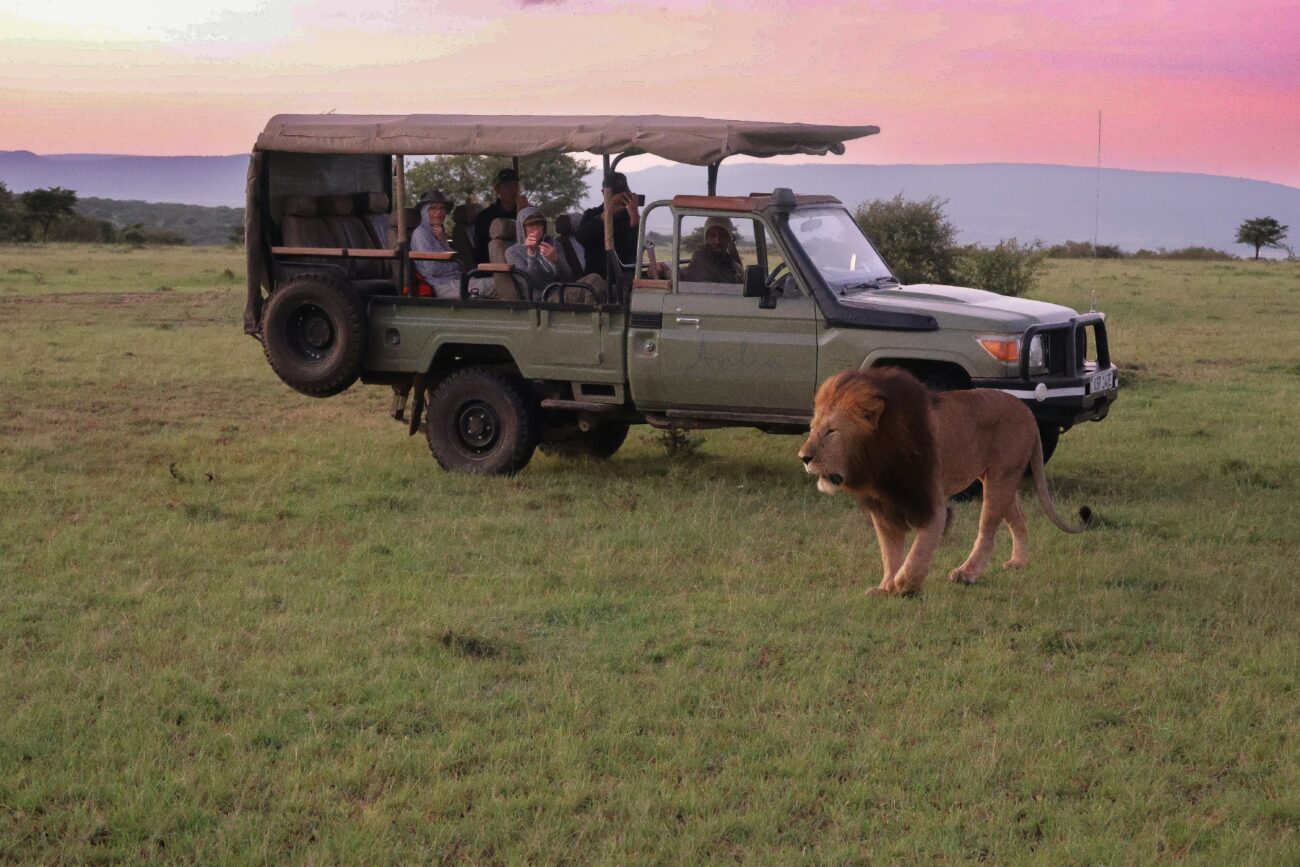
(829, 431)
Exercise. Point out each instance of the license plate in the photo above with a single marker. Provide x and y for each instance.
(1101, 381)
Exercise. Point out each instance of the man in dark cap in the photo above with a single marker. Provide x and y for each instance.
(509, 201)
(627, 217)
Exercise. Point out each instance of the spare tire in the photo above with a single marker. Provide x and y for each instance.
(314, 334)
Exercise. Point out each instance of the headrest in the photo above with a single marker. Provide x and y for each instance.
(412, 219)
(564, 225)
(335, 206)
(300, 206)
(374, 203)
(465, 212)
(503, 229)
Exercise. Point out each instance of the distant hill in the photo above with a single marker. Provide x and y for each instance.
(197, 223)
(991, 202)
(987, 202)
(191, 180)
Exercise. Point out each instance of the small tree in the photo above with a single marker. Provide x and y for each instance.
(1261, 232)
(554, 183)
(48, 204)
(915, 238)
(8, 213)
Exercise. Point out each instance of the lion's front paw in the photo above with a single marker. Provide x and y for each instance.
(962, 576)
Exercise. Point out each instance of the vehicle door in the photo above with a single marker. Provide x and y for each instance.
(721, 350)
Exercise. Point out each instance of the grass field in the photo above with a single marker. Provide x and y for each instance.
(238, 625)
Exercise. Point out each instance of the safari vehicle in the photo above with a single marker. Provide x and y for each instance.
(493, 379)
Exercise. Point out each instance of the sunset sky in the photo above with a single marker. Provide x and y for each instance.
(1182, 86)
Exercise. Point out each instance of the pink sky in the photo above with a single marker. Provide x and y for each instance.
(1183, 86)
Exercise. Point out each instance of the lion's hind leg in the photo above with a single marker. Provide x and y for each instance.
(999, 498)
(1019, 536)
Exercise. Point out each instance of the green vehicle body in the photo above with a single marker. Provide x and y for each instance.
(675, 358)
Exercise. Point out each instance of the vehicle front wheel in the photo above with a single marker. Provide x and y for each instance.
(599, 443)
(482, 421)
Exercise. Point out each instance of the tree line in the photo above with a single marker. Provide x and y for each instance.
(56, 214)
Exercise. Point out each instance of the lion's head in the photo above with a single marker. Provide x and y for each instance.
(871, 435)
(846, 414)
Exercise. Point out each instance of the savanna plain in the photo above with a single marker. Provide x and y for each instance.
(241, 626)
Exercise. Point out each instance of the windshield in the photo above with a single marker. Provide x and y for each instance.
(847, 261)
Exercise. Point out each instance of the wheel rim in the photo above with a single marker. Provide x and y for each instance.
(477, 426)
(310, 332)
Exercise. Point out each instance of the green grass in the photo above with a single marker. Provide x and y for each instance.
(239, 625)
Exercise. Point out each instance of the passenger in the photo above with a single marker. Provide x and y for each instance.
(536, 255)
(716, 261)
(627, 217)
(509, 200)
(437, 279)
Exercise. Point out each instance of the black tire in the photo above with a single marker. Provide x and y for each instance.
(314, 334)
(481, 421)
(599, 443)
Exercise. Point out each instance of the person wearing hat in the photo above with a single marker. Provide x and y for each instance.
(436, 279)
(716, 261)
(536, 254)
(510, 199)
(627, 217)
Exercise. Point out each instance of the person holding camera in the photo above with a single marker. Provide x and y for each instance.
(625, 206)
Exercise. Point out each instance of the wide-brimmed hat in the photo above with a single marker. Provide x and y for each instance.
(435, 197)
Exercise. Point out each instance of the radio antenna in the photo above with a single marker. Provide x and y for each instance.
(1096, 216)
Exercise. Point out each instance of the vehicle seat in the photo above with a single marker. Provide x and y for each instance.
(350, 232)
(374, 210)
(503, 238)
(302, 226)
(412, 220)
(565, 227)
(462, 234)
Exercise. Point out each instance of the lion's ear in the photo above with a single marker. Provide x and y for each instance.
(871, 407)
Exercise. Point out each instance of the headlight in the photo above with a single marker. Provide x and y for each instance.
(1036, 364)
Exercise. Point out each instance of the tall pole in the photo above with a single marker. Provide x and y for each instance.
(1096, 216)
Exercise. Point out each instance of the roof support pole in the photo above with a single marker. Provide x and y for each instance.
(399, 195)
(514, 164)
(713, 177)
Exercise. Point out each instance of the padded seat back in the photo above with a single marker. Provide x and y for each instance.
(502, 238)
(373, 208)
(462, 234)
(412, 216)
(302, 225)
(566, 225)
(350, 232)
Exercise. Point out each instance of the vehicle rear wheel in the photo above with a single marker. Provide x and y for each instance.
(481, 421)
(599, 443)
(314, 334)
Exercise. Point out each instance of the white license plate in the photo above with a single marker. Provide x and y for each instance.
(1101, 381)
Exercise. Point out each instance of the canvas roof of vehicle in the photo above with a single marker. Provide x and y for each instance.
(691, 140)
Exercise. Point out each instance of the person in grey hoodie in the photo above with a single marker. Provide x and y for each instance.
(535, 254)
(441, 278)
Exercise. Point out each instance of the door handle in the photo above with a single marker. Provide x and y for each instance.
(689, 320)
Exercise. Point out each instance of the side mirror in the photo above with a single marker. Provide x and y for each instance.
(755, 281)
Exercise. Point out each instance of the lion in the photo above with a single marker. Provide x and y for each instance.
(902, 450)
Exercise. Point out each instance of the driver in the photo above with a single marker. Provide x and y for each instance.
(717, 261)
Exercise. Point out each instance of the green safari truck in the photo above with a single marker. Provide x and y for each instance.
(570, 367)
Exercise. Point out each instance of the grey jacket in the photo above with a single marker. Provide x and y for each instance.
(540, 271)
(444, 277)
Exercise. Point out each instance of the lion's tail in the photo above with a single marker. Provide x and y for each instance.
(1045, 496)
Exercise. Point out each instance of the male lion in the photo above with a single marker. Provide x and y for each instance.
(902, 451)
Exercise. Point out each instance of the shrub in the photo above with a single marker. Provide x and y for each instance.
(915, 238)
(1083, 250)
(1193, 254)
(1010, 268)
